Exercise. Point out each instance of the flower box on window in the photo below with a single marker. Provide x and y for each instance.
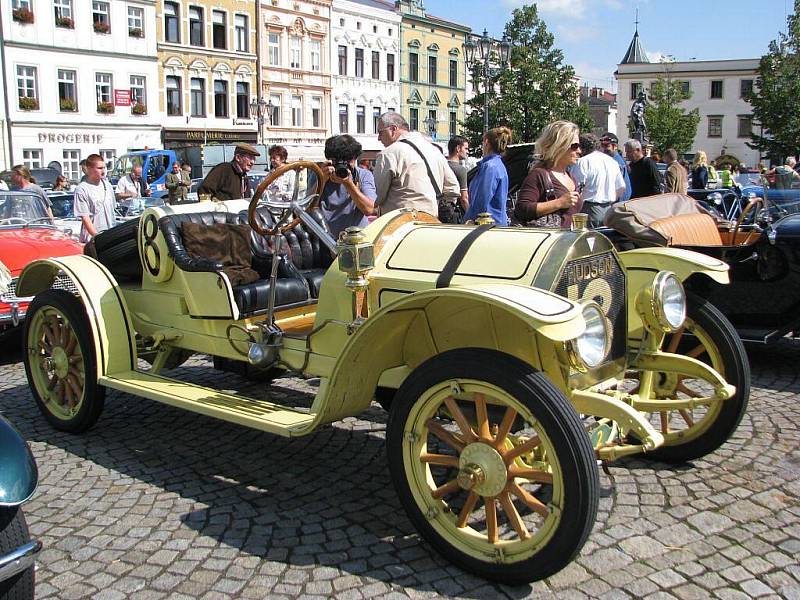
(135, 32)
(68, 104)
(65, 22)
(27, 103)
(105, 107)
(139, 109)
(22, 15)
(100, 27)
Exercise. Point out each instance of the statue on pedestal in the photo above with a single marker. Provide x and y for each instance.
(637, 126)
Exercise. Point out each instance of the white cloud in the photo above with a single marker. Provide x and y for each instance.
(567, 10)
(657, 56)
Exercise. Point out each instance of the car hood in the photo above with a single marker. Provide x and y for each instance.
(19, 247)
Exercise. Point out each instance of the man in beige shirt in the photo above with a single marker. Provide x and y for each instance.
(401, 177)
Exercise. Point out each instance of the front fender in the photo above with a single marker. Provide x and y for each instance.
(18, 472)
(109, 321)
(524, 322)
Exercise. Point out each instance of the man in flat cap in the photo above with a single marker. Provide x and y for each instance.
(228, 181)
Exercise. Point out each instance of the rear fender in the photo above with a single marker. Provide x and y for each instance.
(18, 475)
(520, 321)
(109, 321)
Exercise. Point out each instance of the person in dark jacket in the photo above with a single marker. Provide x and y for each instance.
(645, 178)
(610, 144)
(700, 171)
(228, 181)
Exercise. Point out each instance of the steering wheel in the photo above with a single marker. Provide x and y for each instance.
(747, 210)
(284, 223)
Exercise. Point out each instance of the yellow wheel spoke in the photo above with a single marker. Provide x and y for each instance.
(448, 438)
(467, 509)
(513, 516)
(530, 474)
(463, 424)
(491, 520)
(529, 499)
(528, 446)
(505, 427)
(446, 489)
(439, 459)
(483, 418)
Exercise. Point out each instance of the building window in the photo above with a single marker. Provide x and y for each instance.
(316, 111)
(358, 25)
(297, 111)
(686, 88)
(376, 114)
(341, 22)
(342, 60)
(172, 29)
(32, 159)
(453, 73)
(431, 122)
(376, 65)
(745, 88)
(71, 160)
(294, 52)
(343, 118)
(413, 114)
(67, 97)
(63, 13)
(745, 129)
(27, 95)
(390, 67)
(361, 119)
(636, 87)
(374, 29)
(715, 127)
(453, 123)
(390, 31)
(197, 97)
(15, 4)
(315, 47)
(104, 83)
(716, 88)
(413, 66)
(359, 62)
(195, 26)
(219, 30)
(220, 98)
(275, 114)
(240, 33)
(109, 157)
(432, 70)
(135, 21)
(101, 17)
(274, 49)
(138, 92)
(242, 99)
(174, 96)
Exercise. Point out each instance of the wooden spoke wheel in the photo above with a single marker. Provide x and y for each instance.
(60, 362)
(303, 204)
(691, 433)
(492, 465)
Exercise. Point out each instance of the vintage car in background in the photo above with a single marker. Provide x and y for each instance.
(26, 234)
(45, 177)
(510, 360)
(18, 480)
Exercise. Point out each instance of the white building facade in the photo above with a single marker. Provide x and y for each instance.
(717, 89)
(365, 57)
(81, 78)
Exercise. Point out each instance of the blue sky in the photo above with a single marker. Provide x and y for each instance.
(594, 34)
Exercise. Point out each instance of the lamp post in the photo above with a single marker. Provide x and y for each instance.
(485, 46)
(259, 110)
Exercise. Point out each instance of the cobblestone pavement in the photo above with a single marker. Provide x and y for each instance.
(155, 502)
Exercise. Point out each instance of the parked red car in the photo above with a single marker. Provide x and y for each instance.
(26, 234)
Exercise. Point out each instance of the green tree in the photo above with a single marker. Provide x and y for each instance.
(537, 89)
(774, 97)
(669, 125)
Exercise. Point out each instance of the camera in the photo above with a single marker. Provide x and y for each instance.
(341, 168)
(341, 150)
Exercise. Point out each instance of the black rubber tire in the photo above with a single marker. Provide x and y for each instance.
(736, 371)
(556, 417)
(115, 235)
(13, 534)
(94, 394)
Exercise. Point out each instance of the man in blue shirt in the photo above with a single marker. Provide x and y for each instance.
(349, 195)
(610, 142)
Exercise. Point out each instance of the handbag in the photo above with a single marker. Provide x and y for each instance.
(449, 212)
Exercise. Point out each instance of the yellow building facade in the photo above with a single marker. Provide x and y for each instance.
(432, 71)
(207, 70)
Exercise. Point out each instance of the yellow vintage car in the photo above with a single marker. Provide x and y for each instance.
(511, 361)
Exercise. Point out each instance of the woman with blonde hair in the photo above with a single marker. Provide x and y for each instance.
(488, 190)
(23, 181)
(549, 195)
(700, 171)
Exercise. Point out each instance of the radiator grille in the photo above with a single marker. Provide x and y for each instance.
(62, 282)
(600, 278)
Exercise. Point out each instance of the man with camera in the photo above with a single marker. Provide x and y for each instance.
(349, 195)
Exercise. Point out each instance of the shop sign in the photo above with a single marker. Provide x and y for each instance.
(71, 138)
(208, 135)
(122, 97)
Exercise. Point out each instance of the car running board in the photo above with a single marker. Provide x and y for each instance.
(243, 410)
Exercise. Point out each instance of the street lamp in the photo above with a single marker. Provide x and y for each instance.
(259, 109)
(430, 123)
(485, 45)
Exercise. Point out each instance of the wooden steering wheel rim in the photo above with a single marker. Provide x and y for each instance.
(255, 225)
(744, 213)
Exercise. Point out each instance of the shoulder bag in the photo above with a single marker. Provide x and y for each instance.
(449, 212)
